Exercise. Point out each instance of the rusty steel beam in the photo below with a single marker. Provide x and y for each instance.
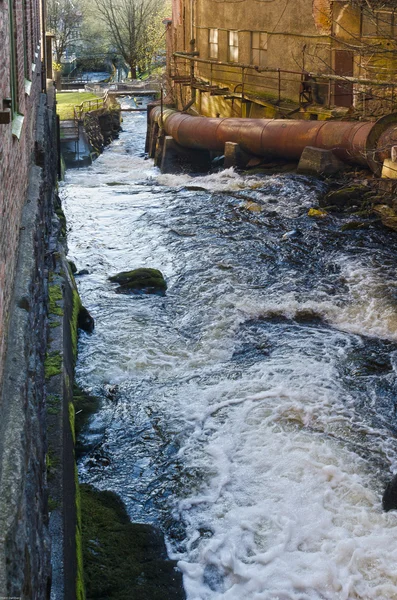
(354, 142)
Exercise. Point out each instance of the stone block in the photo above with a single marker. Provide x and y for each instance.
(316, 161)
(235, 156)
(389, 170)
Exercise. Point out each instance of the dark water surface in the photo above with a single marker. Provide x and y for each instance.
(250, 413)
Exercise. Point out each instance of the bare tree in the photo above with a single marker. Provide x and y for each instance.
(64, 18)
(128, 23)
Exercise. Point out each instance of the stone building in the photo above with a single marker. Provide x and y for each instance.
(308, 58)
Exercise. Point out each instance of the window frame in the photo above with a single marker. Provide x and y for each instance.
(259, 51)
(378, 33)
(14, 87)
(233, 48)
(213, 44)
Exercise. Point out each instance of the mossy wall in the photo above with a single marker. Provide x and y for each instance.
(64, 499)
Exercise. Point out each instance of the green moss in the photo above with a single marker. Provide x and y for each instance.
(52, 504)
(123, 560)
(80, 588)
(61, 216)
(54, 324)
(71, 420)
(52, 463)
(53, 364)
(144, 279)
(53, 404)
(54, 296)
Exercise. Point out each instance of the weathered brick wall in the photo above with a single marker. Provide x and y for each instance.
(16, 155)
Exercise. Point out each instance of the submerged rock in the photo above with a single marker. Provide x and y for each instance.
(294, 233)
(73, 267)
(346, 196)
(387, 214)
(389, 500)
(317, 213)
(140, 281)
(85, 321)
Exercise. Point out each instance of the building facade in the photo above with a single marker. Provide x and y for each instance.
(22, 46)
(274, 57)
(28, 161)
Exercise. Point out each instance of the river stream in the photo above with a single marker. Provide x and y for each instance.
(251, 412)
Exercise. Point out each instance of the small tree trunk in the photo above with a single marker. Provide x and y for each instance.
(133, 71)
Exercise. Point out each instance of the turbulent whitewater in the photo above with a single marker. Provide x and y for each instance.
(250, 413)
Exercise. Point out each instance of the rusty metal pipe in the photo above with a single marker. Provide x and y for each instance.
(351, 141)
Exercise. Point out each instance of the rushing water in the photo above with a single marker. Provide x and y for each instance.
(251, 413)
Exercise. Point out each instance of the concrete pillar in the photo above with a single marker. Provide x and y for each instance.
(159, 147)
(235, 156)
(154, 134)
(177, 159)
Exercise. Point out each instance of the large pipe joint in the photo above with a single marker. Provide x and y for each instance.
(363, 143)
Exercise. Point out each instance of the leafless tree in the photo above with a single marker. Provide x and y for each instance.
(64, 18)
(128, 23)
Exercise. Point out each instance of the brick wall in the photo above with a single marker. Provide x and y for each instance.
(16, 154)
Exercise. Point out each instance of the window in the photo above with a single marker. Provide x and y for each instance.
(213, 43)
(380, 23)
(233, 46)
(258, 48)
(13, 61)
(25, 41)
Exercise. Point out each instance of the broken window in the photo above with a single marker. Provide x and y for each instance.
(258, 48)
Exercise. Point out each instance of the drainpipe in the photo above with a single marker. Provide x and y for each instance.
(193, 90)
(353, 142)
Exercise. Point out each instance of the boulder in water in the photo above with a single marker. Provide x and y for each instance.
(317, 213)
(355, 194)
(389, 500)
(387, 214)
(85, 321)
(140, 281)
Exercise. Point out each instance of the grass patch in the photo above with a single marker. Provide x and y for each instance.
(66, 101)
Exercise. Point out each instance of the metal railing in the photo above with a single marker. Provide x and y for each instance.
(88, 105)
(124, 87)
(244, 80)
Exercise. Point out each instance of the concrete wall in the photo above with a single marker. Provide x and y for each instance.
(16, 152)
